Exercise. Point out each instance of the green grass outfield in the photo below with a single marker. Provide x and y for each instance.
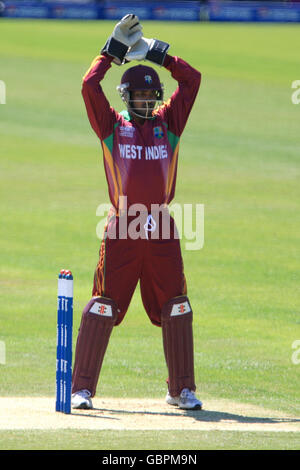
(146, 440)
(239, 157)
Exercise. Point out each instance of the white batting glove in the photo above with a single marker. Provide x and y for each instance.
(126, 33)
(148, 49)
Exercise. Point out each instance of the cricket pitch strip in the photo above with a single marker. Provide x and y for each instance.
(142, 414)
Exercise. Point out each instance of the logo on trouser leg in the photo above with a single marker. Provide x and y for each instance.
(101, 309)
(180, 309)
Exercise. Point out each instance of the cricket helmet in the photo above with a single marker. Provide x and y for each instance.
(140, 77)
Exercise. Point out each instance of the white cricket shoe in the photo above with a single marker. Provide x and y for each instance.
(185, 401)
(81, 400)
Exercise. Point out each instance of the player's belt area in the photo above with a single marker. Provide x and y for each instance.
(156, 224)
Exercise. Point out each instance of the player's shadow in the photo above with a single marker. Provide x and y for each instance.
(211, 416)
(218, 416)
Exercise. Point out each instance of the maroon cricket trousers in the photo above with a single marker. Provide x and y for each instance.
(151, 259)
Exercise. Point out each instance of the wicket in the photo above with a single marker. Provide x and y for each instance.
(64, 341)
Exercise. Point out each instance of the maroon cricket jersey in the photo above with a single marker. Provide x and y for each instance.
(140, 160)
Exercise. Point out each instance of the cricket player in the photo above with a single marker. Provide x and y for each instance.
(140, 151)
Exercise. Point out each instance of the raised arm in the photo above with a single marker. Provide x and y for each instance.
(177, 109)
(101, 115)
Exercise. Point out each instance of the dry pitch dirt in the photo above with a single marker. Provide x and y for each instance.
(142, 414)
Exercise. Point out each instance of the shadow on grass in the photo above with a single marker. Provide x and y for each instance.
(198, 415)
